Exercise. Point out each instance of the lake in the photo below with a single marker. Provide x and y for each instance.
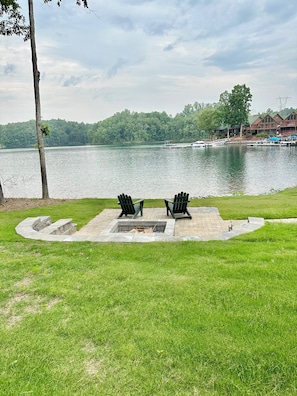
(149, 171)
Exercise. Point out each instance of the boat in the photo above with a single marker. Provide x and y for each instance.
(209, 143)
(168, 145)
(200, 144)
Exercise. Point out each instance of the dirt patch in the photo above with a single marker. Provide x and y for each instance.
(93, 367)
(10, 204)
(24, 283)
(51, 303)
(23, 304)
(90, 347)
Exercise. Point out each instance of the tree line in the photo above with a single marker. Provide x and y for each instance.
(196, 121)
(59, 133)
(133, 127)
(126, 127)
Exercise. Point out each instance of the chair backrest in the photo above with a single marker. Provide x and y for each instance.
(180, 202)
(126, 203)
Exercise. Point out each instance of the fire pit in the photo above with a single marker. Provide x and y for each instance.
(147, 227)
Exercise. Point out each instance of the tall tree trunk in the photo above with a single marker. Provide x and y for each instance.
(36, 78)
(1, 194)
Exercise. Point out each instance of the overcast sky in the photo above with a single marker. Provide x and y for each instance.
(150, 55)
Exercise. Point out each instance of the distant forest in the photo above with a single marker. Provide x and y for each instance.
(62, 133)
(125, 127)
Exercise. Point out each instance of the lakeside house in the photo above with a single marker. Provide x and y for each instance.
(269, 124)
(272, 124)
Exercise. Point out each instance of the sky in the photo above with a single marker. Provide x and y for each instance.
(149, 55)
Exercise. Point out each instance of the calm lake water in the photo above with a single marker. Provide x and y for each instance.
(149, 171)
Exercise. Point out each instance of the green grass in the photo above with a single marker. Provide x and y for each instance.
(181, 318)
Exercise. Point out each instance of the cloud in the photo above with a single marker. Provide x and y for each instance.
(281, 11)
(9, 68)
(239, 55)
(125, 23)
(113, 70)
(149, 55)
(71, 81)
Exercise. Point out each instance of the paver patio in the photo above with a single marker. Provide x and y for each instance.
(206, 224)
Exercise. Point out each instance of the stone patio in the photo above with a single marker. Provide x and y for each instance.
(206, 224)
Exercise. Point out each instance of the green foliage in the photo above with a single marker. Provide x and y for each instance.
(62, 133)
(224, 108)
(127, 127)
(196, 121)
(45, 130)
(263, 135)
(240, 102)
(209, 120)
(12, 21)
(124, 127)
(133, 127)
(234, 107)
(20, 134)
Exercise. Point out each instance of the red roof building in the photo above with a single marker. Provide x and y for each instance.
(272, 124)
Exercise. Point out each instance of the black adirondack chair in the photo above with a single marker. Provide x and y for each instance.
(178, 207)
(130, 208)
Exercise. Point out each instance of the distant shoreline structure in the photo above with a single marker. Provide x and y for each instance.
(271, 142)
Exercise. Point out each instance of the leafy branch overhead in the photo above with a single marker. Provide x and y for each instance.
(12, 20)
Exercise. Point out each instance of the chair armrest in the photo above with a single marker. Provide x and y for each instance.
(139, 201)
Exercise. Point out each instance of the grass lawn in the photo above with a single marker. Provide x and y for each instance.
(175, 318)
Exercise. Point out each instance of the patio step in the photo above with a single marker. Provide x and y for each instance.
(60, 227)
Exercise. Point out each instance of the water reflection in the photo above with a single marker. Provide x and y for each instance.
(149, 171)
(232, 166)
